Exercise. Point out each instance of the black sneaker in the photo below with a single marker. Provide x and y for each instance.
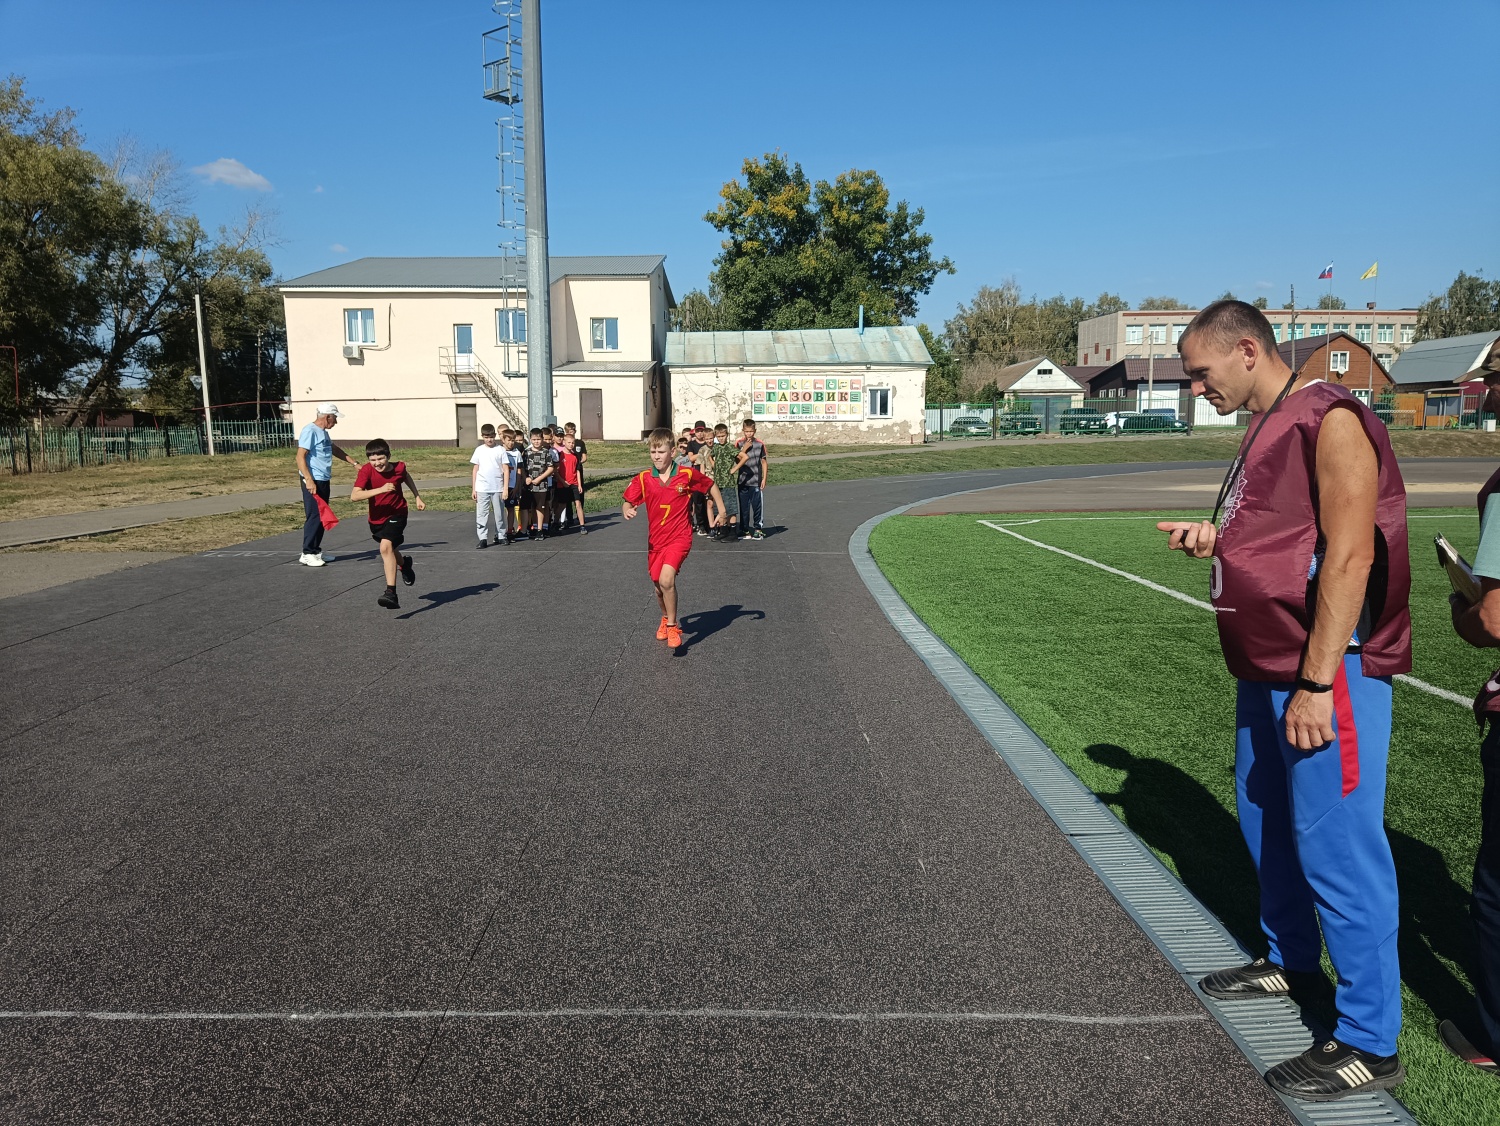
(1261, 978)
(482, 544)
(389, 599)
(1457, 1043)
(408, 570)
(1332, 1070)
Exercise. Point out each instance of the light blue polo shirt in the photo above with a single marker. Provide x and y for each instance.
(1487, 558)
(319, 446)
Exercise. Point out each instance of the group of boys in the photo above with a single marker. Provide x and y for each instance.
(527, 491)
(739, 470)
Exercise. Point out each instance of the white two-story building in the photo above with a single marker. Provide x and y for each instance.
(427, 350)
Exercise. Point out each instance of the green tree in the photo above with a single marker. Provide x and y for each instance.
(943, 375)
(1165, 303)
(1261, 303)
(998, 328)
(698, 311)
(1470, 304)
(1329, 301)
(1227, 295)
(799, 254)
(99, 260)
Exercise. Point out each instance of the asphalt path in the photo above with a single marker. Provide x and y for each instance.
(500, 856)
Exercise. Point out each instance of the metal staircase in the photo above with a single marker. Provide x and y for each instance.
(469, 375)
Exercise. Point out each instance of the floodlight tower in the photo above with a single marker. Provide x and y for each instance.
(512, 56)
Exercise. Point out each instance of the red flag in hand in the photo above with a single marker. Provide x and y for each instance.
(326, 515)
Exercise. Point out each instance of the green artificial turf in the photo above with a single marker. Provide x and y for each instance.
(1128, 687)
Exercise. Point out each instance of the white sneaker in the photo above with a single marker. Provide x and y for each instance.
(311, 560)
(326, 558)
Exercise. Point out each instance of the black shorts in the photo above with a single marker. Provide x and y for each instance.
(536, 498)
(564, 494)
(394, 529)
(513, 499)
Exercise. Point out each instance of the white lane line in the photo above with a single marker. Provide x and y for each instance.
(1168, 591)
(1404, 678)
(617, 1014)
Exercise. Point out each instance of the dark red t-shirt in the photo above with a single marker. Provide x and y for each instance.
(383, 507)
(666, 502)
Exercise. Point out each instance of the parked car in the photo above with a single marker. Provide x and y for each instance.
(1017, 422)
(1157, 418)
(1082, 420)
(969, 426)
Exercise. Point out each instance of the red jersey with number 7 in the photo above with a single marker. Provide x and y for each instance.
(665, 503)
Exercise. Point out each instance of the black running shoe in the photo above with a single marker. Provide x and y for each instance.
(408, 570)
(482, 544)
(1457, 1043)
(389, 599)
(1261, 978)
(1333, 1070)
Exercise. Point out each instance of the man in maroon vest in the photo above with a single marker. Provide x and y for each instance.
(1309, 582)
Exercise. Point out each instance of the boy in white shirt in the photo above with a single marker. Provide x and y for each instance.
(489, 486)
(510, 439)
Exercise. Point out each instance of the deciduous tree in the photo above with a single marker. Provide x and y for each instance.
(1470, 304)
(1329, 301)
(1166, 303)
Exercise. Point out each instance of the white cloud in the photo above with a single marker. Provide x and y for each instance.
(339, 248)
(227, 170)
(318, 190)
(1265, 285)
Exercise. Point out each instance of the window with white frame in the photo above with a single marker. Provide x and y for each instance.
(604, 334)
(1276, 332)
(1134, 334)
(877, 402)
(359, 326)
(1386, 359)
(1408, 333)
(510, 326)
(1297, 331)
(1177, 331)
(1385, 334)
(1340, 326)
(1338, 362)
(1362, 333)
(1317, 329)
(1158, 334)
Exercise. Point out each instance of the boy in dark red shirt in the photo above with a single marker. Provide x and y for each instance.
(666, 490)
(379, 481)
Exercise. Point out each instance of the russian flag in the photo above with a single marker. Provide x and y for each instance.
(1327, 272)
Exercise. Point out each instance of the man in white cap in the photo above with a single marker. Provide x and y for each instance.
(315, 454)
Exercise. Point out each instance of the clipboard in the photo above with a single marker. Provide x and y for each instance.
(1460, 573)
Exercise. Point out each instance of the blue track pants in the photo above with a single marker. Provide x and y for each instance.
(1314, 821)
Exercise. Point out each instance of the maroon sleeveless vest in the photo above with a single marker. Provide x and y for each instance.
(1264, 585)
(1487, 703)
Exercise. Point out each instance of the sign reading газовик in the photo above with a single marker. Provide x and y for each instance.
(811, 398)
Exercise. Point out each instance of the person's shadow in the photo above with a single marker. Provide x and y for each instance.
(1435, 931)
(1180, 818)
(704, 624)
(436, 598)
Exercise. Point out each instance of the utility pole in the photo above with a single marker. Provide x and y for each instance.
(208, 418)
(257, 376)
(1291, 329)
(538, 276)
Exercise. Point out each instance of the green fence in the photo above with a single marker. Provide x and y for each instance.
(1169, 412)
(28, 450)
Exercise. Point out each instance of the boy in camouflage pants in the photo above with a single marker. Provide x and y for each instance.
(720, 465)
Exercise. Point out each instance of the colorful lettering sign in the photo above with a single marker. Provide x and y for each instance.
(807, 398)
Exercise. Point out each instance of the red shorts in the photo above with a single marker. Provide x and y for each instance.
(670, 554)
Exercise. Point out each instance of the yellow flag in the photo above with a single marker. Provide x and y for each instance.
(1372, 272)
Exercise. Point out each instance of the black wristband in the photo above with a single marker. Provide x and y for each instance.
(1312, 685)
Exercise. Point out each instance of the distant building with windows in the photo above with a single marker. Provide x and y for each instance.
(1147, 333)
(428, 350)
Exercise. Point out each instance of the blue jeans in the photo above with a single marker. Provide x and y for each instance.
(1485, 907)
(1314, 822)
(750, 507)
(312, 527)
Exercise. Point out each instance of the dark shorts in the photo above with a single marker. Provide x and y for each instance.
(513, 500)
(534, 498)
(394, 529)
(564, 494)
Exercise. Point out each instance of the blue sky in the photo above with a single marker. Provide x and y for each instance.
(1168, 148)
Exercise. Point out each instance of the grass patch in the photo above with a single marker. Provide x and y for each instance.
(210, 533)
(1129, 688)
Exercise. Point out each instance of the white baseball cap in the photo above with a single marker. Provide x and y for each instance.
(329, 408)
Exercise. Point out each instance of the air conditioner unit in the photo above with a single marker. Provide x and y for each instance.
(353, 351)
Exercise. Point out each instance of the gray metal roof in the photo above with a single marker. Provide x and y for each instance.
(802, 347)
(606, 367)
(467, 273)
(1442, 361)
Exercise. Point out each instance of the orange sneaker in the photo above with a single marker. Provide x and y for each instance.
(661, 630)
(674, 635)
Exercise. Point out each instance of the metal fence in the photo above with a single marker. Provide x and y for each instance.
(26, 449)
(1168, 413)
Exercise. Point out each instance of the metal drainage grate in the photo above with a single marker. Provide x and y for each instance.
(1195, 942)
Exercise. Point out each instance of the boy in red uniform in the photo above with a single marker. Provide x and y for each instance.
(379, 482)
(665, 490)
